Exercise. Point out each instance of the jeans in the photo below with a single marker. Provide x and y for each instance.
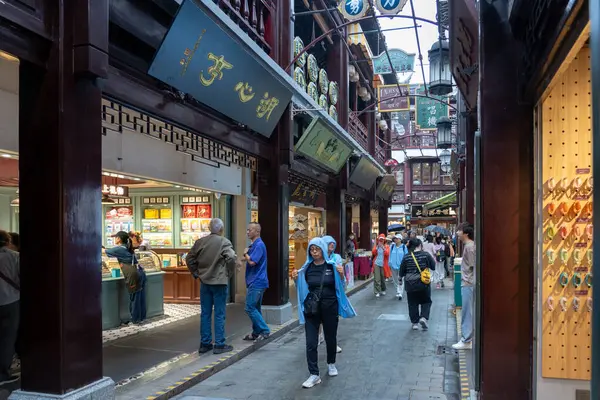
(212, 296)
(253, 305)
(137, 300)
(467, 313)
(419, 298)
(398, 282)
(9, 326)
(328, 316)
(379, 280)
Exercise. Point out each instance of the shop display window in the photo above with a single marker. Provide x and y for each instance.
(157, 221)
(196, 213)
(149, 260)
(117, 218)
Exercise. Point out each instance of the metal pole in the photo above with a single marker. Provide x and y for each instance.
(414, 17)
(385, 30)
(595, 105)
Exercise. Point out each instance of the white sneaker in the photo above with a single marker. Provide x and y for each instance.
(332, 370)
(400, 297)
(312, 381)
(424, 323)
(338, 349)
(415, 327)
(462, 345)
(377, 295)
(383, 293)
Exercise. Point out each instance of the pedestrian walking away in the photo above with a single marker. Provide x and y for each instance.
(257, 282)
(397, 253)
(321, 300)
(213, 261)
(381, 256)
(10, 294)
(335, 257)
(467, 268)
(417, 281)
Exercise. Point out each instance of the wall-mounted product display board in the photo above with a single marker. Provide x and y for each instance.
(157, 220)
(566, 166)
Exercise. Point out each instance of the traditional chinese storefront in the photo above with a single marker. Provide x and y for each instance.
(443, 216)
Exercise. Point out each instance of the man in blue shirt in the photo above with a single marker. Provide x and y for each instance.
(256, 283)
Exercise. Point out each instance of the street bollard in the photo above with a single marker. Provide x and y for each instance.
(457, 282)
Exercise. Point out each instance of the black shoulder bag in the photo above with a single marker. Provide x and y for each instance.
(9, 281)
(313, 299)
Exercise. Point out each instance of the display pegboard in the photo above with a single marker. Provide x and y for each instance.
(567, 224)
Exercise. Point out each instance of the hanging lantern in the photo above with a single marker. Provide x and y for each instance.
(354, 77)
(367, 97)
(351, 70)
(377, 116)
(445, 160)
(444, 133)
(440, 75)
(383, 125)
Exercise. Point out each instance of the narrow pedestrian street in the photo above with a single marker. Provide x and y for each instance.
(382, 359)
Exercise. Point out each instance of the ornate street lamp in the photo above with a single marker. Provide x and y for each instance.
(445, 160)
(444, 133)
(440, 75)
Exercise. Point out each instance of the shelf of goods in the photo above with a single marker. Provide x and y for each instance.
(567, 225)
(117, 219)
(115, 296)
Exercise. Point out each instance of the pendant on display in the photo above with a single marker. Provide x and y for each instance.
(563, 303)
(589, 231)
(576, 280)
(563, 279)
(563, 185)
(563, 208)
(550, 232)
(589, 280)
(588, 186)
(551, 185)
(577, 207)
(551, 256)
(590, 255)
(577, 184)
(577, 256)
(588, 210)
(551, 208)
(589, 303)
(564, 255)
(577, 232)
(563, 231)
(550, 303)
(576, 304)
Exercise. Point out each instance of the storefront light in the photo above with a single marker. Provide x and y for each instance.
(440, 75)
(445, 160)
(444, 133)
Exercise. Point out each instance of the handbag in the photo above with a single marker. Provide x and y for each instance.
(313, 299)
(9, 281)
(425, 273)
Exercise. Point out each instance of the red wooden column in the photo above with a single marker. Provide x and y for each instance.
(60, 211)
(506, 277)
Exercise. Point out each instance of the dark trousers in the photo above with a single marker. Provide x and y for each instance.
(137, 300)
(328, 316)
(419, 298)
(9, 326)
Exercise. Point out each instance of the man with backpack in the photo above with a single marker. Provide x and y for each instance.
(213, 261)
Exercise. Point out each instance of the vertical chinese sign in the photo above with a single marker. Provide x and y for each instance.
(199, 58)
(428, 110)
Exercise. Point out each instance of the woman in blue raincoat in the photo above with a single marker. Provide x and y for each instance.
(338, 260)
(333, 303)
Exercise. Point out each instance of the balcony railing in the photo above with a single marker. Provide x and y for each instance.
(357, 130)
(253, 17)
(380, 156)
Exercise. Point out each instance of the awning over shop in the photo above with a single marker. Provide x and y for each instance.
(447, 200)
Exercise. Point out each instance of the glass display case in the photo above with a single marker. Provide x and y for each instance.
(196, 213)
(157, 221)
(149, 260)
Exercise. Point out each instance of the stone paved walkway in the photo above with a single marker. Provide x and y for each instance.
(382, 359)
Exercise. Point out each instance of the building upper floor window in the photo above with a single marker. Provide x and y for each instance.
(429, 173)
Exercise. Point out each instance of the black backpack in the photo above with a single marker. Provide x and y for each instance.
(440, 255)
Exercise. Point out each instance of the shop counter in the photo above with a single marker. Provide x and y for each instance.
(180, 286)
(115, 299)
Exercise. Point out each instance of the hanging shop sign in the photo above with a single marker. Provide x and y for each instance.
(386, 187)
(115, 190)
(464, 45)
(400, 128)
(321, 145)
(303, 194)
(418, 212)
(428, 110)
(401, 60)
(199, 58)
(393, 98)
(364, 174)
(353, 9)
(390, 7)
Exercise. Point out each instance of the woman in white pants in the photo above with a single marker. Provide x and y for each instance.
(439, 274)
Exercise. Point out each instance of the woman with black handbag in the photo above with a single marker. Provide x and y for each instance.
(321, 299)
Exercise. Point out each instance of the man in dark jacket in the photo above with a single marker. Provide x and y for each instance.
(212, 260)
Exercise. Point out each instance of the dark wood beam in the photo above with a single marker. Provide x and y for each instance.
(138, 20)
(138, 94)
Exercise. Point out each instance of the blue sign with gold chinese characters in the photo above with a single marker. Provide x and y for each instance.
(199, 58)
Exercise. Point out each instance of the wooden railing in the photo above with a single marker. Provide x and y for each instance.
(380, 155)
(357, 130)
(253, 17)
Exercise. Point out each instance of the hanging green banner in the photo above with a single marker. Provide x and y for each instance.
(429, 109)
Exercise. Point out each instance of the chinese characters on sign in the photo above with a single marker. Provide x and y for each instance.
(401, 60)
(428, 110)
(353, 9)
(321, 145)
(386, 187)
(392, 99)
(390, 7)
(114, 190)
(305, 195)
(198, 57)
(464, 45)
(419, 212)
